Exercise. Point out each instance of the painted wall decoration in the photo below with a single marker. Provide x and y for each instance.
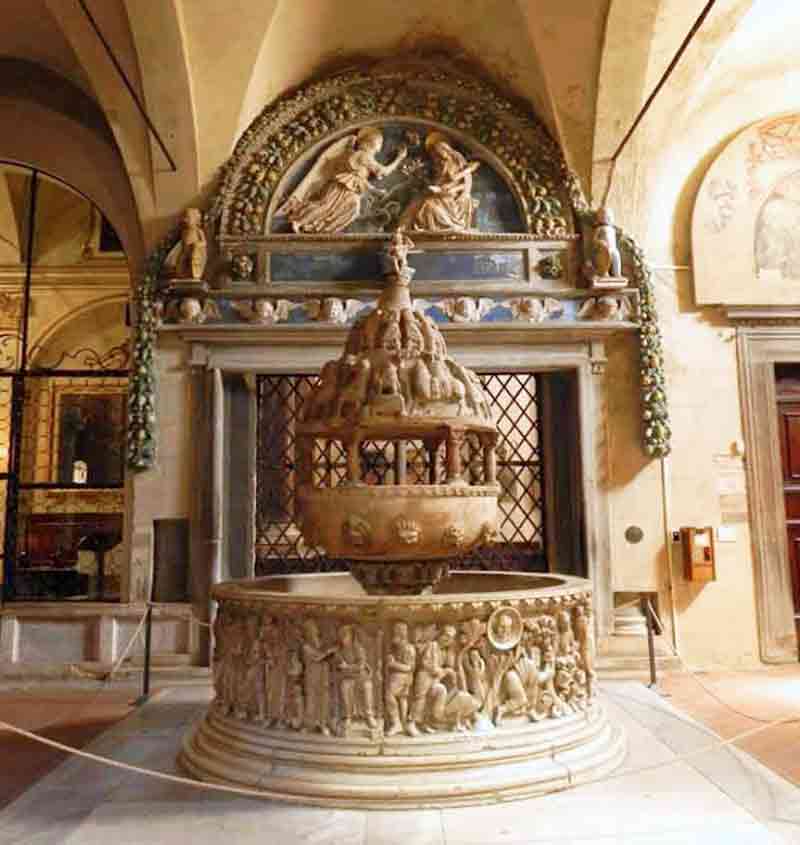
(777, 238)
(747, 213)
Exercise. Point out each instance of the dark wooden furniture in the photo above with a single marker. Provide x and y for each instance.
(788, 393)
(46, 569)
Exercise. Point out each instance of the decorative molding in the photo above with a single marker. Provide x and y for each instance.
(510, 139)
(110, 273)
(271, 310)
(141, 451)
(759, 349)
(764, 315)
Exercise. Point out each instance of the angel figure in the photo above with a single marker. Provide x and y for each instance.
(447, 205)
(329, 198)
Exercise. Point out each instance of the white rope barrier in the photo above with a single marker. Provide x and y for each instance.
(705, 688)
(258, 793)
(84, 704)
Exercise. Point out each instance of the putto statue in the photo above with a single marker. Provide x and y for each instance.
(328, 199)
(447, 205)
(395, 259)
(604, 267)
(192, 252)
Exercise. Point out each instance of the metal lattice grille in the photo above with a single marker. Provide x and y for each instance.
(279, 544)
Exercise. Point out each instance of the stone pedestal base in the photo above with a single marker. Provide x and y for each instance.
(515, 761)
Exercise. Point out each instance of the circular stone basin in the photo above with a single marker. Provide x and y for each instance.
(408, 522)
(482, 690)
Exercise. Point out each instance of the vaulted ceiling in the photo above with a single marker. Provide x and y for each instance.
(204, 70)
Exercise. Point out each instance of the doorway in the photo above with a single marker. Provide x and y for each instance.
(787, 392)
(533, 474)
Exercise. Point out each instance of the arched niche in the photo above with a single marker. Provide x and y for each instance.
(506, 135)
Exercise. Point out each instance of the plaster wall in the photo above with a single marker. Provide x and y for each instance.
(740, 69)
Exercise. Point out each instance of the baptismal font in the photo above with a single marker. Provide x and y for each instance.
(395, 384)
(407, 682)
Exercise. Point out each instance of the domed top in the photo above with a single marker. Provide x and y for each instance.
(395, 372)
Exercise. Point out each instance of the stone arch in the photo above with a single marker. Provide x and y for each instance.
(85, 155)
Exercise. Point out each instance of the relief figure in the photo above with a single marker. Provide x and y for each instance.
(447, 205)
(255, 674)
(329, 198)
(400, 663)
(295, 697)
(316, 679)
(356, 693)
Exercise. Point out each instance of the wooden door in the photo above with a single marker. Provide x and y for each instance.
(789, 428)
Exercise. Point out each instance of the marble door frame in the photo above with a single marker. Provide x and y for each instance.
(760, 347)
(280, 351)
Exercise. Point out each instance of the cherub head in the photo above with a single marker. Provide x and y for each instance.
(192, 218)
(370, 139)
(505, 627)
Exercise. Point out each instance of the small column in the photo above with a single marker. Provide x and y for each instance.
(433, 454)
(304, 447)
(400, 462)
(455, 437)
(216, 532)
(489, 460)
(353, 447)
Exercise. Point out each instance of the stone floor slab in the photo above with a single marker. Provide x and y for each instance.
(729, 798)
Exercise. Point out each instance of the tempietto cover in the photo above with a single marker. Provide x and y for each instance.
(395, 384)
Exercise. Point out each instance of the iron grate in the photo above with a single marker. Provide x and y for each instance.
(280, 547)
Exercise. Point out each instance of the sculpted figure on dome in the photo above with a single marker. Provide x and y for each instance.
(396, 257)
(447, 205)
(328, 199)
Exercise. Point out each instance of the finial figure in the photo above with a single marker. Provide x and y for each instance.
(604, 267)
(193, 251)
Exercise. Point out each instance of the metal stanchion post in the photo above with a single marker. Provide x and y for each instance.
(651, 644)
(148, 632)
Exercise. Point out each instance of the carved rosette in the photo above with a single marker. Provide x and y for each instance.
(484, 685)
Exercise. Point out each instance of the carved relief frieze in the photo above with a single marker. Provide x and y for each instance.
(272, 311)
(417, 670)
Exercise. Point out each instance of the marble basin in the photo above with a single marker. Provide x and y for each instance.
(482, 690)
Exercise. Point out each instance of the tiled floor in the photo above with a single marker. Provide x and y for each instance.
(714, 698)
(721, 796)
(73, 716)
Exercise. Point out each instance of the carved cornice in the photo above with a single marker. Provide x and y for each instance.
(764, 315)
(333, 336)
(106, 275)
